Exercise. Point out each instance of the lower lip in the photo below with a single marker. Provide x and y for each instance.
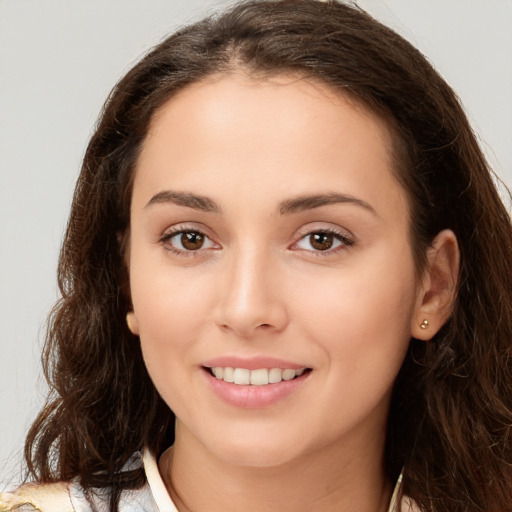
(254, 397)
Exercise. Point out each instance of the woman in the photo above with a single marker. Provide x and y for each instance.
(285, 233)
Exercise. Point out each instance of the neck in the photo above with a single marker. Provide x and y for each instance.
(331, 480)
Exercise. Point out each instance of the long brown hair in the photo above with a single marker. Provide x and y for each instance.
(450, 423)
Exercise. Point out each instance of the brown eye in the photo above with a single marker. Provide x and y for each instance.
(192, 240)
(321, 241)
(188, 242)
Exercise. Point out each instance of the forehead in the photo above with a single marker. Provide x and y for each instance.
(287, 130)
(218, 96)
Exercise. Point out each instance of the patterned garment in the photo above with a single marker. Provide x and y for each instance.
(153, 497)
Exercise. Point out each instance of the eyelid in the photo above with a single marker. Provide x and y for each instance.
(178, 229)
(346, 238)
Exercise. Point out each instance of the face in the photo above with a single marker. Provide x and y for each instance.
(269, 245)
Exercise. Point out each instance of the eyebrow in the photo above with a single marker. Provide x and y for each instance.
(187, 199)
(286, 207)
(308, 202)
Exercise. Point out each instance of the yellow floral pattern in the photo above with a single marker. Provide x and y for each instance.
(36, 497)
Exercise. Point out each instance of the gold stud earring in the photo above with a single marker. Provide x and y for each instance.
(424, 324)
(131, 321)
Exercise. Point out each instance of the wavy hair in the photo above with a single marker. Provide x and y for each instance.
(450, 422)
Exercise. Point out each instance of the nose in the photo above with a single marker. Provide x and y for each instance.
(250, 299)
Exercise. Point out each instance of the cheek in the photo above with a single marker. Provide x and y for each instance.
(361, 316)
(165, 299)
(362, 327)
(171, 310)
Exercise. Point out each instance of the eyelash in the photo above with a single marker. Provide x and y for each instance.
(345, 241)
(180, 230)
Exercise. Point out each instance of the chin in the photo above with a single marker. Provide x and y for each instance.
(256, 457)
(257, 451)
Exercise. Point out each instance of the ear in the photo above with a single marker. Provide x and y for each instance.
(438, 287)
(133, 325)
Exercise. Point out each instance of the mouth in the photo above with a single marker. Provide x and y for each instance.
(256, 377)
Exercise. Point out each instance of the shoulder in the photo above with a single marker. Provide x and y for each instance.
(71, 497)
(54, 497)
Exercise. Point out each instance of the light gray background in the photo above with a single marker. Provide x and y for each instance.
(58, 61)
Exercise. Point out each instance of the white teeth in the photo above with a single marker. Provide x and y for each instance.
(288, 374)
(242, 376)
(228, 374)
(275, 375)
(218, 372)
(259, 377)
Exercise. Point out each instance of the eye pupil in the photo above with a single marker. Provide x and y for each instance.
(192, 240)
(321, 241)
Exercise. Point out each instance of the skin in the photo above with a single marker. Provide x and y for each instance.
(258, 287)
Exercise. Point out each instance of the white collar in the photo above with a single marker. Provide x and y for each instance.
(156, 484)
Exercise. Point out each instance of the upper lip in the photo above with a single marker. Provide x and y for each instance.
(251, 363)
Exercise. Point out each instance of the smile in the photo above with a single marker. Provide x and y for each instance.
(256, 377)
(254, 388)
